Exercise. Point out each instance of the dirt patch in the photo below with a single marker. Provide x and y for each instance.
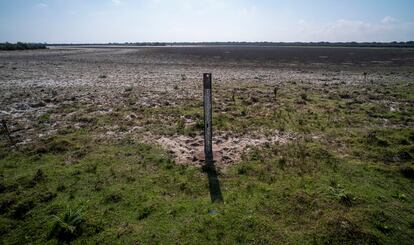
(227, 147)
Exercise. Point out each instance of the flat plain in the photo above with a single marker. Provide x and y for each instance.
(105, 145)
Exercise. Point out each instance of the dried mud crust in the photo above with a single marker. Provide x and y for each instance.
(43, 92)
(228, 148)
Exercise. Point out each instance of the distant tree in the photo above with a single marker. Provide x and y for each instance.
(21, 46)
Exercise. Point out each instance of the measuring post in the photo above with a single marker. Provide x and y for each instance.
(213, 181)
(208, 130)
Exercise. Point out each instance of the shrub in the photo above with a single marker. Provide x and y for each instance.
(67, 228)
(22, 208)
(21, 46)
(344, 197)
(145, 212)
(408, 172)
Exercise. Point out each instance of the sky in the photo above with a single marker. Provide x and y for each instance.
(103, 21)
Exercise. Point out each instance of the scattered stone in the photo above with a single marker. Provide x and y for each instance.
(37, 104)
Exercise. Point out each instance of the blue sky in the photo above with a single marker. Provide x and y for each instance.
(86, 21)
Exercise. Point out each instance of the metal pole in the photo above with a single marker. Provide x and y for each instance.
(213, 181)
(208, 131)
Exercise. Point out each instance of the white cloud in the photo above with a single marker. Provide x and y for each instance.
(388, 20)
(42, 5)
(345, 30)
(117, 2)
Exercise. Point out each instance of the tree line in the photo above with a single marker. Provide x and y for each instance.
(409, 44)
(21, 46)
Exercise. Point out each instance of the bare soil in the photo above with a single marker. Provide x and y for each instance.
(43, 92)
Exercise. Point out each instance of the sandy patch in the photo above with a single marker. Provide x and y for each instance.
(227, 147)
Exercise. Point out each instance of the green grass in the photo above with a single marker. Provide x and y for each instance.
(345, 178)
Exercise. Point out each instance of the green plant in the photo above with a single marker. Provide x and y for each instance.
(44, 118)
(304, 96)
(341, 194)
(181, 125)
(68, 227)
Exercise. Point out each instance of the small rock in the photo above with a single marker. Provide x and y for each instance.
(38, 104)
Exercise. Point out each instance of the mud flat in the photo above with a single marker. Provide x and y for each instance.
(38, 85)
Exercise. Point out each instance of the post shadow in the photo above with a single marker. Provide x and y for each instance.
(213, 182)
(209, 167)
